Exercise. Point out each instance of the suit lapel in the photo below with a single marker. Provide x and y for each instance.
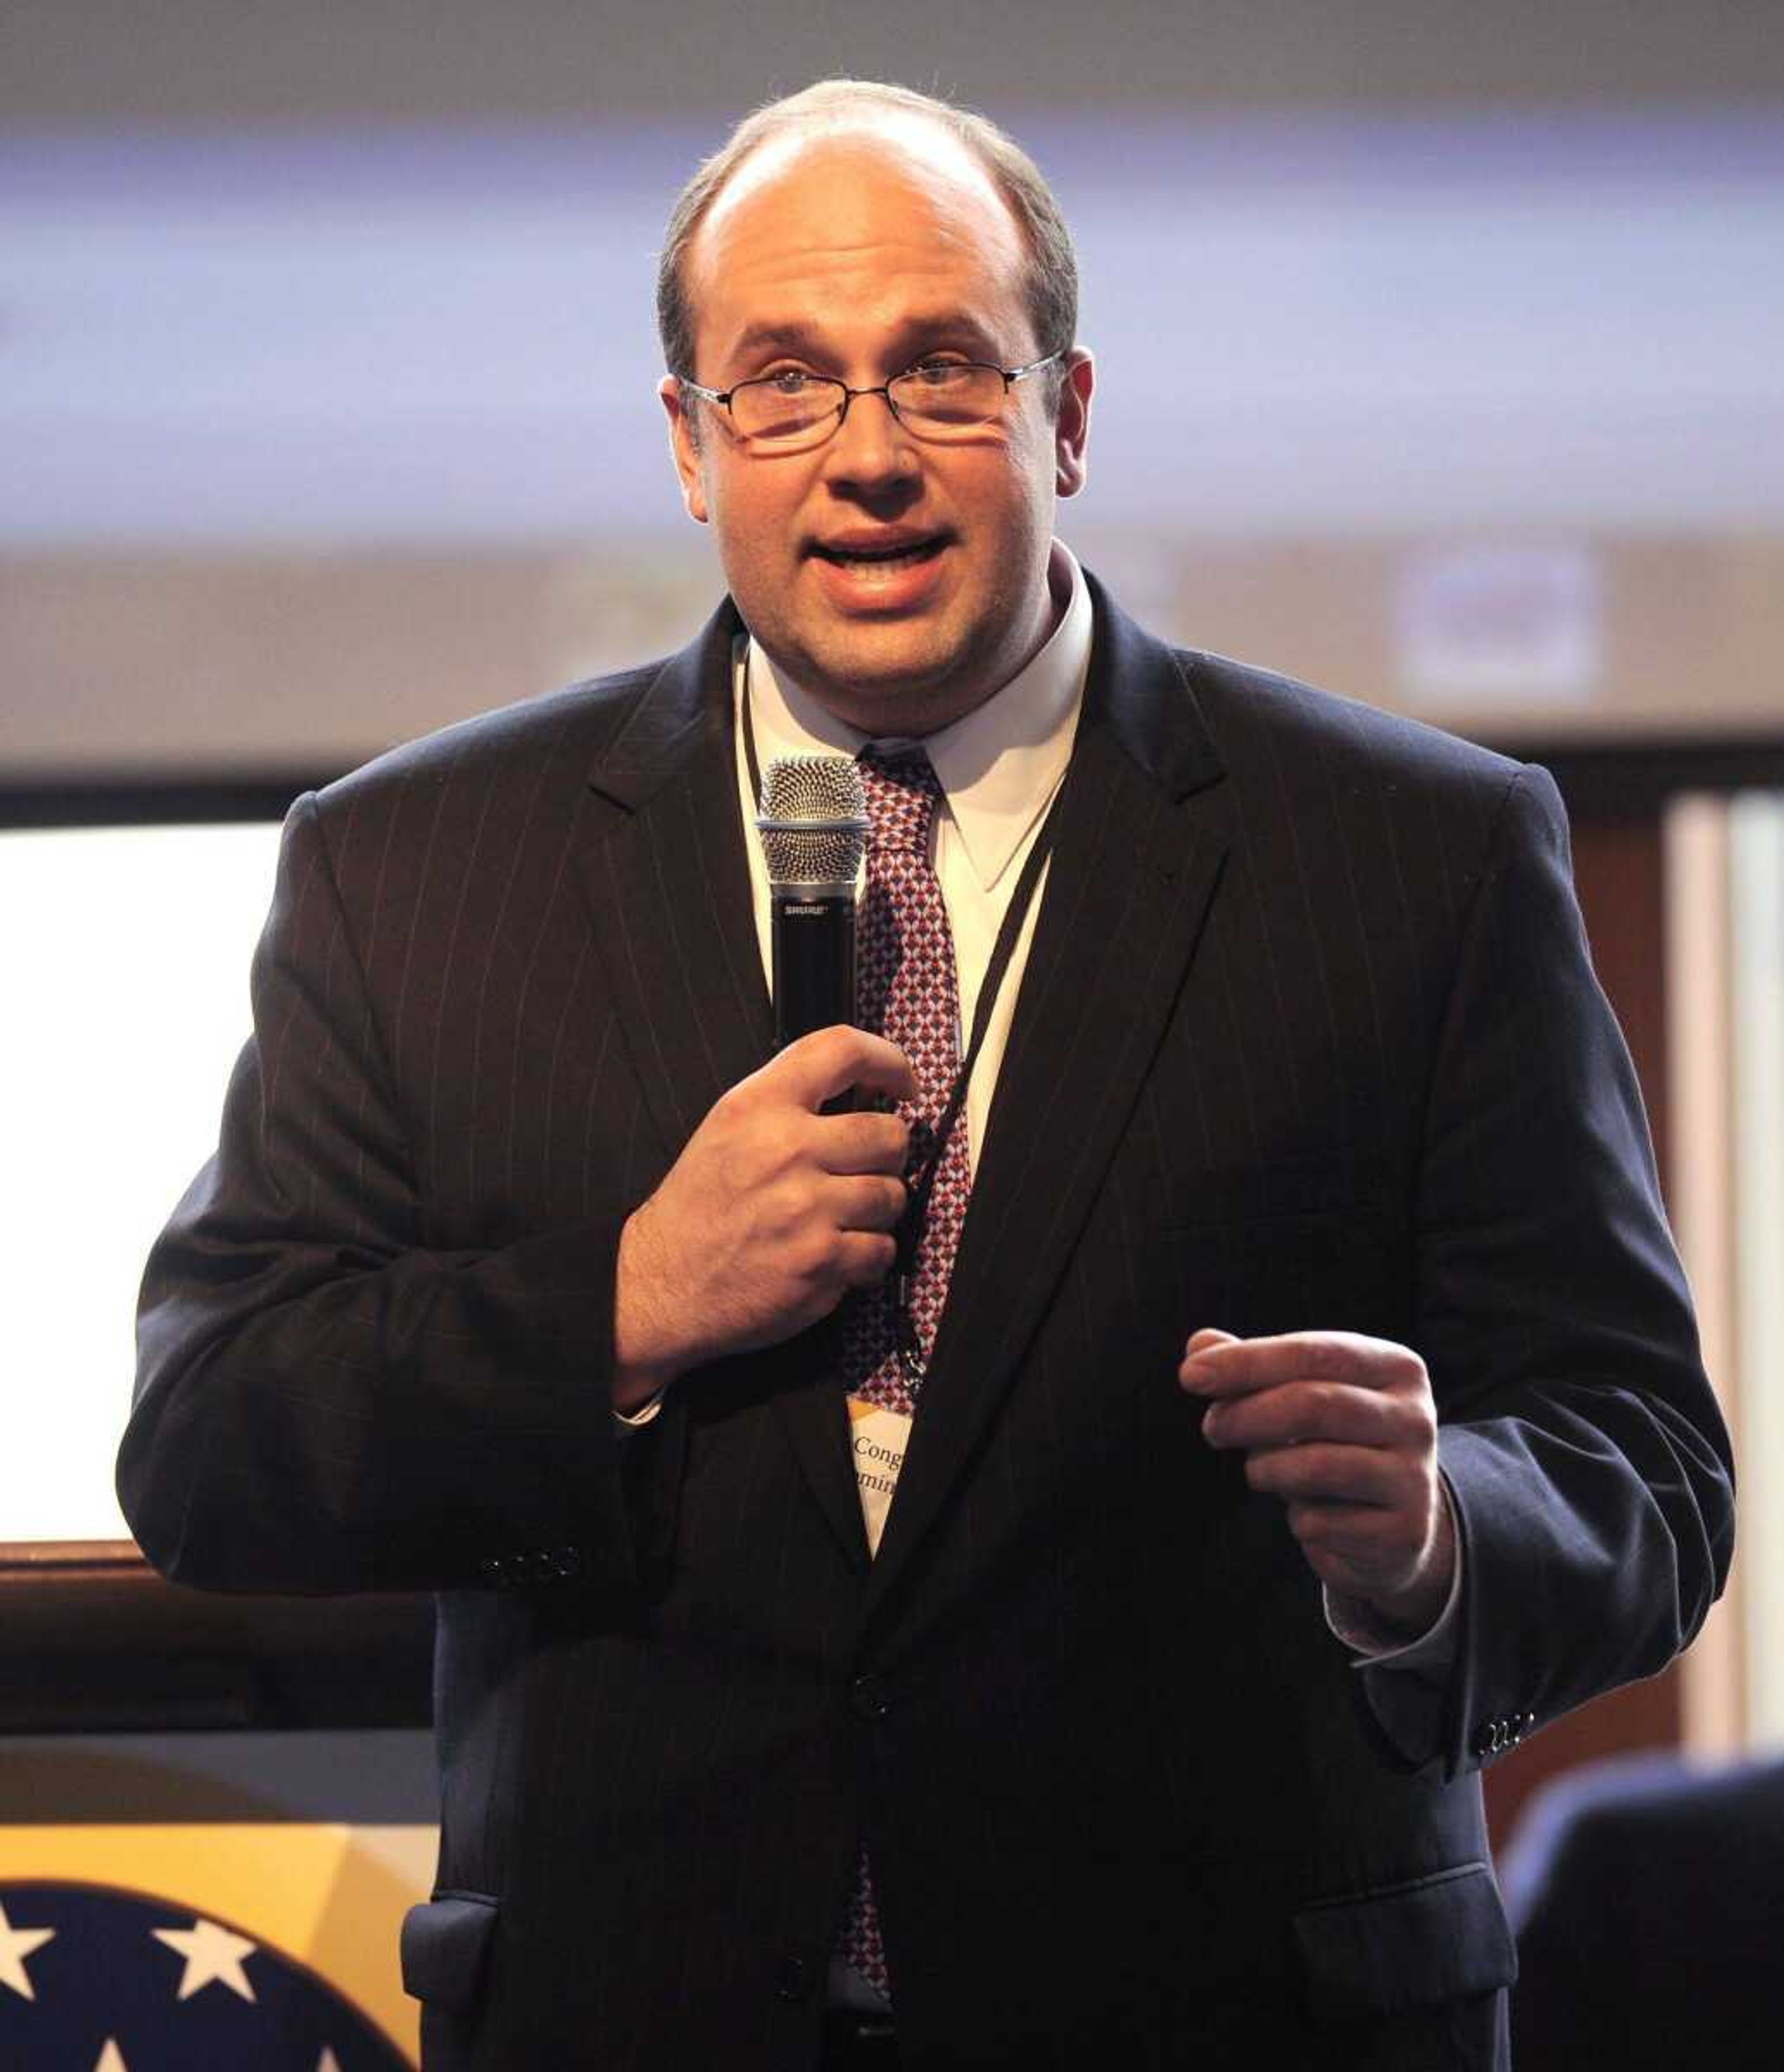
(1136, 859)
(667, 887)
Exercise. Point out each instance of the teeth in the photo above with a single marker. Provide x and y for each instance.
(846, 555)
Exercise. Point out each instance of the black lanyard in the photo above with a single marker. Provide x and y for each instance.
(917, 1207)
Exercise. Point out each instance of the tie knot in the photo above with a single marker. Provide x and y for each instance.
(903, 792)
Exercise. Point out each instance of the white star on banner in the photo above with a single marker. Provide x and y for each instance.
(211, 1954)
(16, 1945)
(111, 2059)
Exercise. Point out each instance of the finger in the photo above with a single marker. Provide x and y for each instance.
(1299, 1411)
(1314, 1520)
(863, 1258)
(864, 1142)
(1356, 1550)
(1365, 1533)
(867, 1201)
(1330, 1475)
(817, 1067)
(1200, 1340)
(1241, 1367)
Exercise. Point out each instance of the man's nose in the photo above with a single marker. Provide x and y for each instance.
(871, 446)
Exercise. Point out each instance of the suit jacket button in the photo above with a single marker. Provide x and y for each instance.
(1485, 1742)
(867, 1699)
(491, 1571)
(793, 1978)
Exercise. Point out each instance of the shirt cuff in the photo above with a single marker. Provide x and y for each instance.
(645, 1414)
(1434, 1649)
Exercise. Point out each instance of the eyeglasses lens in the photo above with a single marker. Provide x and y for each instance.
(949, 398)
(934, 400)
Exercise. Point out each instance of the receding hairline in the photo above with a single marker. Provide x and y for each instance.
(887, 151)
(876, 111)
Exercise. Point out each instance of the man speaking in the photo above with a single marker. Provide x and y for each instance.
(1021, 1566)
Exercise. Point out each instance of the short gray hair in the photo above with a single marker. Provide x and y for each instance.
(1052, 286)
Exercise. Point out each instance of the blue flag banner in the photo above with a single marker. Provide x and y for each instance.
(93, 1979)
(141, 1945)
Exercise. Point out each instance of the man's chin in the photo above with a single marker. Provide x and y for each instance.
(890, 705)
(886, 686)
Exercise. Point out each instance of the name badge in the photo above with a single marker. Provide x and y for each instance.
(877, 1438)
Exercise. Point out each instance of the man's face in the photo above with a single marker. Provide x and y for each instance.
(855, 256)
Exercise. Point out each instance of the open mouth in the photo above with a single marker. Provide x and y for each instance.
(901, 554)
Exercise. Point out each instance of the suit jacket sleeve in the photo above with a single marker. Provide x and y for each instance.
(324, 1403)
(1588, 1460)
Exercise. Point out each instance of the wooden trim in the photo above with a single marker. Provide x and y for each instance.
(1713, 1699)
(98, 1642)
(41, 1558)
(73, 801)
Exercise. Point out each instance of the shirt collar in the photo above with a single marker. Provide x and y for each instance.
(999, 766)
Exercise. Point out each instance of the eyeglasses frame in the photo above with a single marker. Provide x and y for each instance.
(1011, 376)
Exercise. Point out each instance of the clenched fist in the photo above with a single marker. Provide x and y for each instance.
(1343, 1429)
(773, 1211)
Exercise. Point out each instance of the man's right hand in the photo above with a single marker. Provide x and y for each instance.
(773, 1211)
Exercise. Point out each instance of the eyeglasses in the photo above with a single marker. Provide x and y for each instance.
(937, 399)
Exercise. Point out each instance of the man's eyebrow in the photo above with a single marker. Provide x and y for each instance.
(779, 337)
(951, 328)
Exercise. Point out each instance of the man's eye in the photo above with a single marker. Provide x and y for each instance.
(789, 381)
(939, 373)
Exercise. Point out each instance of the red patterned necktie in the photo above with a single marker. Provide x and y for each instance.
(906, 991)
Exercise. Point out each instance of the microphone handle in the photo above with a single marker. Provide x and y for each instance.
(812, 931)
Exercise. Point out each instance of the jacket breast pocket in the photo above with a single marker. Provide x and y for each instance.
(1300, 1251)
(1370, 1954)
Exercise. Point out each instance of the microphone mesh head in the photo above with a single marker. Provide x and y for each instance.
(814, 819)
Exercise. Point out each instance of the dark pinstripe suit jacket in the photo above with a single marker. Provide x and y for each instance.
(1308, 1037)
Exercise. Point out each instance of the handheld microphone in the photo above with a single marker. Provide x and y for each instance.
(813, 823)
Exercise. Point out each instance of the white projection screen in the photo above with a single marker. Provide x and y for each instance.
(128, 948)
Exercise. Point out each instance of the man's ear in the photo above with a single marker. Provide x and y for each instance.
(684, 446)
(1072, 424)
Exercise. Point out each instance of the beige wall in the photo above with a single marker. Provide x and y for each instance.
(309, 664)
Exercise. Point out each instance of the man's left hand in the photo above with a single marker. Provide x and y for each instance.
(1344, 1429)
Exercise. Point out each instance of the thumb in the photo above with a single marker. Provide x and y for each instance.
(828, 1061)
